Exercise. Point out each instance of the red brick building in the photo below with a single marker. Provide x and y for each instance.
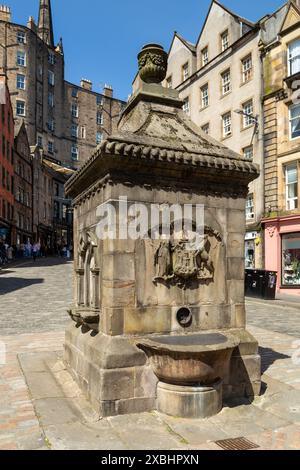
(7, 215)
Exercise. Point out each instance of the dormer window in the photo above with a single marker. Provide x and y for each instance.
(225, 40)
(185, 71)
(204, 56)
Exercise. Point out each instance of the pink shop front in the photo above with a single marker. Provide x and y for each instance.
(282, 252)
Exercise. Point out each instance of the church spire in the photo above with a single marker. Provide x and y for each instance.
(45, 27)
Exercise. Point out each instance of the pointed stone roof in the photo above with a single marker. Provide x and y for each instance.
(45, 25)
(157, 138)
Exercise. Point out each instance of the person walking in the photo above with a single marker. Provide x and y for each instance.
(35, 250)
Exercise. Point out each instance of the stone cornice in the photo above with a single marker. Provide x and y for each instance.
(115, 149)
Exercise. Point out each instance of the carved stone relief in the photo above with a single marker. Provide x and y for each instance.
(176, 263)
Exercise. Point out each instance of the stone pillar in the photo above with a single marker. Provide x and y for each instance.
(80, 285)
(95, 301)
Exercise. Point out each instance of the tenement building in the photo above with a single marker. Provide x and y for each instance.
(7, 200)
(281, 57)
(66, 120)
(220, 82)
(23, 186)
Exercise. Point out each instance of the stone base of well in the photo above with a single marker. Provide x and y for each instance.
(112, 373)
(189, 402)
(117, 379)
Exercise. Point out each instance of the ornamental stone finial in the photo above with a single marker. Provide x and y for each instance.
(153, 63)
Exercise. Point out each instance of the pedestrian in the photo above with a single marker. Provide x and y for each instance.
(10, 253)
(35, 250)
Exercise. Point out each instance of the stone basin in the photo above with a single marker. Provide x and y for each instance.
(194, 359)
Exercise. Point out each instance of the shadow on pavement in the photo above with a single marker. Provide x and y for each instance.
(12, 284)
(269, 356)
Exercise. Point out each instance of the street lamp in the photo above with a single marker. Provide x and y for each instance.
(255, 119)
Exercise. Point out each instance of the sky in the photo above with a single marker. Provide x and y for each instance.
(103, 37)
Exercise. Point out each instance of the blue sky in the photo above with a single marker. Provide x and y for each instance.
(102, 38)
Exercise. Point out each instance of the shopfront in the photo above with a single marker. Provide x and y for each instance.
(250, 250)
(282, 252)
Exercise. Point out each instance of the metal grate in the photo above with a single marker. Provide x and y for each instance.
(240, 443)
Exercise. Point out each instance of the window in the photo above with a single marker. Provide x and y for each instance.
(51, 124)
(74, 92)
(248, 114)
(21, 37)
(291, 187)
(74, 130)
(99, 100)
(204, 96)
(21, 59)
(294, 112)
(40, 141)
(205, 128)
(83, 132)
(74, 152)
(50, 146)
(100, 119)
(169, 82)
(226, 118)
(185, 71)
(186, 105)
(247, 69)
(20, 108)
(248, 152)
(51, 57)
(291, 259)
(74, 110)
(250, 207)
(204, 56)
(294, 57)
(226, 82)
(224, 41)
(99, 137)
(51, 78)
(20, 82)
(50, 99)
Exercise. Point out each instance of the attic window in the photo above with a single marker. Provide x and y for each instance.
(185, 71)
(205, 58)
(225, 40)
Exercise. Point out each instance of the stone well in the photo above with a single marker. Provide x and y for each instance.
(128, 291)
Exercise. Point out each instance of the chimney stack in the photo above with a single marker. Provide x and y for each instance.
(108, 91)
(5, 13)
(86, 84)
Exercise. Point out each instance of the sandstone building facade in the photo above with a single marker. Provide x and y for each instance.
(281, 59)
(220, 81)
(23, 187)
(66, 120)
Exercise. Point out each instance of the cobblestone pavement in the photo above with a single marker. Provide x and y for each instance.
(279, 316)
(42, 408)
(35, 296)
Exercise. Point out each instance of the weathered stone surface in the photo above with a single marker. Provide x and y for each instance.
(189, 402)
(158, 156)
